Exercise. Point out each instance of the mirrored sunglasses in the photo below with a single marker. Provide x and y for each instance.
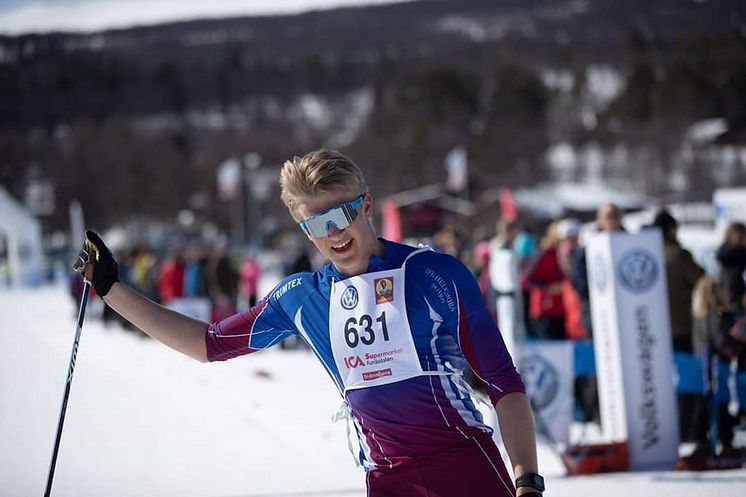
(340, 216)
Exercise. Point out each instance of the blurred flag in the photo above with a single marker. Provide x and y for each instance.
(77, 222)
(391, 221)
(39, 197)
(457, 166)
(229, 175)
(507, 204)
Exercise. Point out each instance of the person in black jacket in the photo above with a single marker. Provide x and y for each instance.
(732, 258)
(682, 274)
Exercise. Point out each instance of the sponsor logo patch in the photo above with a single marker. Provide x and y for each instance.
(353, 362)
(542, 381)
(638, 270)
(384, 289)
(374, 375)
(349, 298)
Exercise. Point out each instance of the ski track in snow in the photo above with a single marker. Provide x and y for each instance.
(145, 421)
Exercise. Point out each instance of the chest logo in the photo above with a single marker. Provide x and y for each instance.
(349, 298)
(384, 289)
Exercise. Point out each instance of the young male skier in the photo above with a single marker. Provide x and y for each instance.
(393, 325)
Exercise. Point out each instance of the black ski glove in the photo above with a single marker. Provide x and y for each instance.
(97, 264)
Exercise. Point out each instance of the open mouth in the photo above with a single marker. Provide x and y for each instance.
(342, 247)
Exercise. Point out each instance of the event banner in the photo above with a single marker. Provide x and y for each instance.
(546, 367)
(547, 370)
(632, 343)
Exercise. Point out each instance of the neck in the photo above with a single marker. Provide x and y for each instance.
(380, 249)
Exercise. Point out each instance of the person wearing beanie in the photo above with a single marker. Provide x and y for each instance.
(682, 275)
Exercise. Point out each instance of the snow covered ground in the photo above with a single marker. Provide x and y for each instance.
(145, 421)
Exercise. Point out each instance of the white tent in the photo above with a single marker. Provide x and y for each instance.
(21, 233)
(552, 200)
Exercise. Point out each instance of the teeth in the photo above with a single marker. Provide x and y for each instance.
(342, 245)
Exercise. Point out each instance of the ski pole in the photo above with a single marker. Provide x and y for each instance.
(71, 368)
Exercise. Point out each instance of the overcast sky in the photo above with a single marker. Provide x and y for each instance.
(24, 16)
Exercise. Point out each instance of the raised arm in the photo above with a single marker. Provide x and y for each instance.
(178, 331)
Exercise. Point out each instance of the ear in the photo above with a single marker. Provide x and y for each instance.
(368, 205)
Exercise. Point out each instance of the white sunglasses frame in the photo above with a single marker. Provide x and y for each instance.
(346, 214)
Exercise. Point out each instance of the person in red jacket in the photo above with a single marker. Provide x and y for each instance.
(171, 278)
(568, 231)
(543, 282)
(248, 284)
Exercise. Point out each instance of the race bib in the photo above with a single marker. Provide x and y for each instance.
(369, 330)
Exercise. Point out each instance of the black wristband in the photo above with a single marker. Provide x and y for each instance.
(532, 494)
(531, 480)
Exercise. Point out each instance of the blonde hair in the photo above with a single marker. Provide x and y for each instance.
(551, 237)
(709, 296)
(318, 172)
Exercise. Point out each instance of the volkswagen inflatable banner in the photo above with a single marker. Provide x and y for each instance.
(632, 344)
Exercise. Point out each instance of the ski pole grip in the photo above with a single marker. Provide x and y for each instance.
(96, 263)
(87, 258)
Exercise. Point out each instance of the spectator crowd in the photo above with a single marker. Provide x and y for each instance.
(707, 313)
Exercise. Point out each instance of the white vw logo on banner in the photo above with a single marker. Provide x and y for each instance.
(638, 270)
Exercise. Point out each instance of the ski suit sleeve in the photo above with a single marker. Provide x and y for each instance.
(471, 324)
(258, 328)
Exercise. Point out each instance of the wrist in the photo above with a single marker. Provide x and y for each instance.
(529, 483)
(107, 296)
(103, 285)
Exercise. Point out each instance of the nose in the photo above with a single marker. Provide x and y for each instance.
(332, 230)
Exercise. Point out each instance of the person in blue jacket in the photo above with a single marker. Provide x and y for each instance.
(393, 325)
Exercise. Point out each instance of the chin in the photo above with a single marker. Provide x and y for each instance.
(347, 265)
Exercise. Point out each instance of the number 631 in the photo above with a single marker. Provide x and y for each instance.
(360, 330)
